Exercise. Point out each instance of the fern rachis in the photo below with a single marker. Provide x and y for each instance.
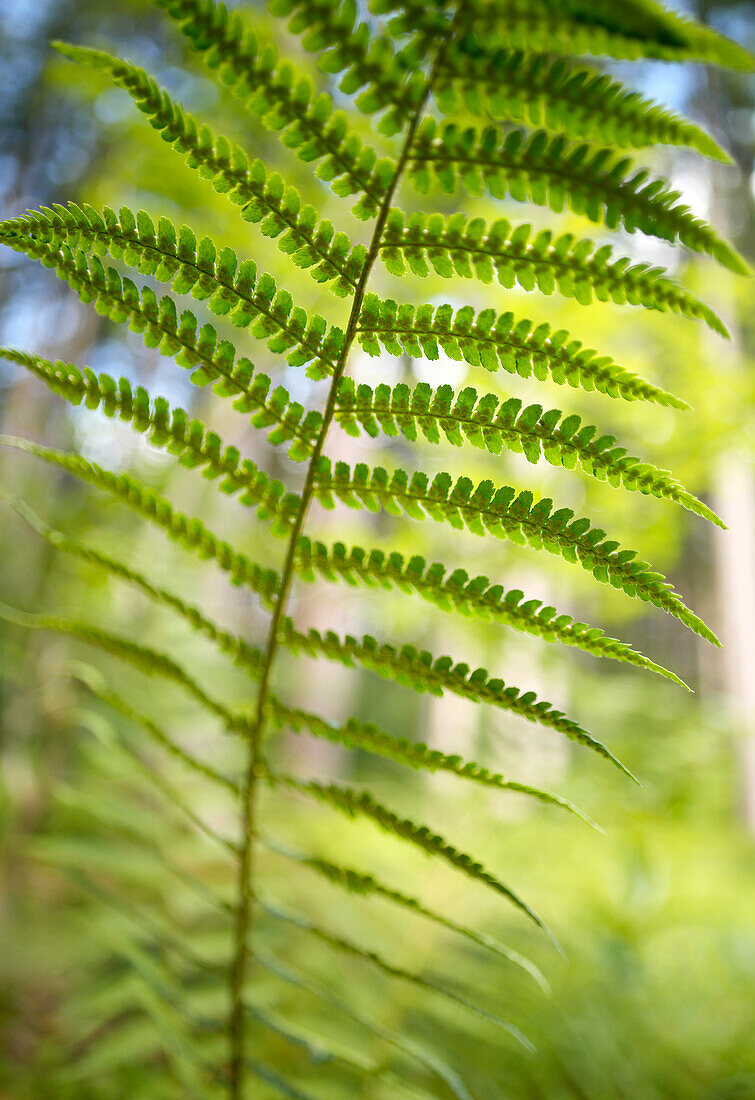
(414, 61)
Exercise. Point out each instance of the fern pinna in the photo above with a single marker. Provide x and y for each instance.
(533, 121)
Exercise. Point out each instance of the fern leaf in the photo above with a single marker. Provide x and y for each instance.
(244, 297)
(357, 882)
(392, 77)
(632, 30)
(418, 670)
(195, 445)
(412, 754)
(493, 425)
(285, 101)
(148, 660)
(211, 360)
(577, 269)
(95, 683)
(505, 514)
(475, 597)
(428, 1061)
(240, 651)
(316, 1050)
(267, 496)
(495, 342)
(264, 198)
(541, 90)
(189, 531)
(168, 792)
(352, 802)
(552, 172)
(349, 947)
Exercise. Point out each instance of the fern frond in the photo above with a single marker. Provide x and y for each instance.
(191, 441)
(267, 496)
(575, 268)
(495, 342)
(475, 597)
(95, 683)
(505, 514)
(636, 29)
(633, 31)
(315, 1048)
(211, 360)
(284, 100)
(496, 58)
(187, 530)
(420, 671)
(552, 172)
(412, 754)
(365, 885)
(352, 802)
(393, 77)
(231, 644)
(349, 947)
(577, 101)
(239, 293)
(312, 244)
(491, 424)
(146, 768)
(149, 661)
(294, 977)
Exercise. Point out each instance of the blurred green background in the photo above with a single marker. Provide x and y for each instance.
(655, 999)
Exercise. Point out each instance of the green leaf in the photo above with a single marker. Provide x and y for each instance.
(351, 803)
(549, 171)
(503, 513)
(541, 90)
(282, 97)
(369, 738)
(456, 591)
(187, 530)
(148, 660)
(263, 196)
(494, 342)
(358, 882)
(194, 444)
(237, 293)
(493, 425)
(577, 269)
(421, 672)
(349, 947)
(231, 644)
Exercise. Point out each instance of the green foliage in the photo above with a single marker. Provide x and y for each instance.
(407, 61)
(285, 100)
(264, 197)
(505, 514)
(551, 172)
(474, 597)
(492, 342)
(369, 738)
(456, 247)
(578, 102)
(239, 294)
(490, 424)
(353, 803)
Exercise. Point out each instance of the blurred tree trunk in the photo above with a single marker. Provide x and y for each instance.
(726, 99)
(735, 565)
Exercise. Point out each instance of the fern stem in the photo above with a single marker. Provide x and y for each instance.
(255, 767)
